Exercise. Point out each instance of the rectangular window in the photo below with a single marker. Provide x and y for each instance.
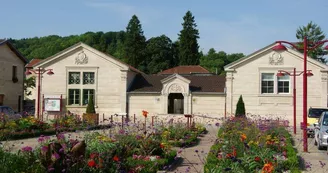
(73, 96)
(88, 93)
(14, 73)
(283, 84)
(74, 78)
(267, 83)
(88, 78)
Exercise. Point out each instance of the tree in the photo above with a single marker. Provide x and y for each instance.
(91, 107)
(214, 62)
(160, 54)
(135, 43)
(29, 83)
(188, 45)
(240, 108)
(313, 33)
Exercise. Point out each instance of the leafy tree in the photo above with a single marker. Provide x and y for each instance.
(159, 53)
(214, 62)
(313, 33)
(188, 45)
(240, 108)
(29, 83)
(135, 43)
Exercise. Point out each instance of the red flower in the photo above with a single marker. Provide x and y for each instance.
(93, 155)
(145, 113)
(257, 159)
(234, 152)
(116, 159)
(161, 145)
(92, 163)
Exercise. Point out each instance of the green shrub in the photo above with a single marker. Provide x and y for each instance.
(240, 108)
(91, 107)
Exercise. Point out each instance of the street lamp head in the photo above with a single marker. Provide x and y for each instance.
(326, 48)
(309, 73)
(50, 72)
(28, 72)
(280, 74)
(279, 47)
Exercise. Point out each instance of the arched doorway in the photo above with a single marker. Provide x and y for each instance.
(175, 103)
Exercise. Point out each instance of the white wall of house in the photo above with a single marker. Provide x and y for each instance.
(110, 81)
(208, 104)
(150, 102)
(244, 78)
(11, 91)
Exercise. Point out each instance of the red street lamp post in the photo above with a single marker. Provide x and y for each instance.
(39, 71)
(306, 48)
(294, 74)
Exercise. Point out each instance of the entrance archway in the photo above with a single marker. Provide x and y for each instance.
(175, 103)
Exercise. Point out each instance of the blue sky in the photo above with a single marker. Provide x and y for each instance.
(230, 25)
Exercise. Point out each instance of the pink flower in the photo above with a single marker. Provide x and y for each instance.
(27, 149)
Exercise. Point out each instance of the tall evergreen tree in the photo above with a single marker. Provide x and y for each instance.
(240, 108)
(135, 43)
(188, 45)
(313, 33)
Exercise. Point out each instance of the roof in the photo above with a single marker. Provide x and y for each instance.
(33, 62)
(152, 83)
(188, 69)
(12, 48)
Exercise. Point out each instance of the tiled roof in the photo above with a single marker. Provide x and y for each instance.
(152, 83)
(33, 62)
(185, 70)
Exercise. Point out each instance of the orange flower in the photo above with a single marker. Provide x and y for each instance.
(243, 137)
(161, 145)
(91, 163)
(268, 168)
(116, 159)
(145, 113)
(234, 152)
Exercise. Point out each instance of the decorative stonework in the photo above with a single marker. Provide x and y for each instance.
(276, 59)
(81, 59)
(175, 88)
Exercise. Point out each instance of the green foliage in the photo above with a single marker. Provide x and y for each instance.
(135, 43)
(159, 54)
(91, 107)
(313, 33)
(188, 45)
(240, 108)
(29, 83)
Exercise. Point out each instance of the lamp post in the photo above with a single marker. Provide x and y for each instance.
(39, 71)
(305, 49)
(294, 74)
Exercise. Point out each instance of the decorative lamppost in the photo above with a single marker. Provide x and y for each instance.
(306, 47)
(39, 71)
(294, 74)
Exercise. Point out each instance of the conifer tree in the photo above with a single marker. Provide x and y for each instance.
(188, 45)
(135, 43)
(240, 108)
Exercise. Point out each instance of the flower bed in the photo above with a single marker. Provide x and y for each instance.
(243, 146)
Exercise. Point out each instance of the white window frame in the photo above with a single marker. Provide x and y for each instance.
(275, 83)
(82, 86)
(284, 80)
(273, 74)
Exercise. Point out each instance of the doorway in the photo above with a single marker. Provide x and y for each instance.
(175, 103)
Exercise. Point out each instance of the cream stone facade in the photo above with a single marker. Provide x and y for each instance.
(248, 76)
(11, 76)
(82, 72)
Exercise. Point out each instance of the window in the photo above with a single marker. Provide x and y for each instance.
(88, 78)
(74, 78)
(283, 84)
(81, 86)
(267, 83)
(87, 93)
(74, 96)
(14, 72)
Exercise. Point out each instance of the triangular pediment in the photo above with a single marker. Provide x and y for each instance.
(173, 77)
(267, 50)
(80, 47)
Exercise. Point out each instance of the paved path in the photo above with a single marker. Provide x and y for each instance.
(192, 159)
(315, 161)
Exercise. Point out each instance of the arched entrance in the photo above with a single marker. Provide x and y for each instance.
(175, 103)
